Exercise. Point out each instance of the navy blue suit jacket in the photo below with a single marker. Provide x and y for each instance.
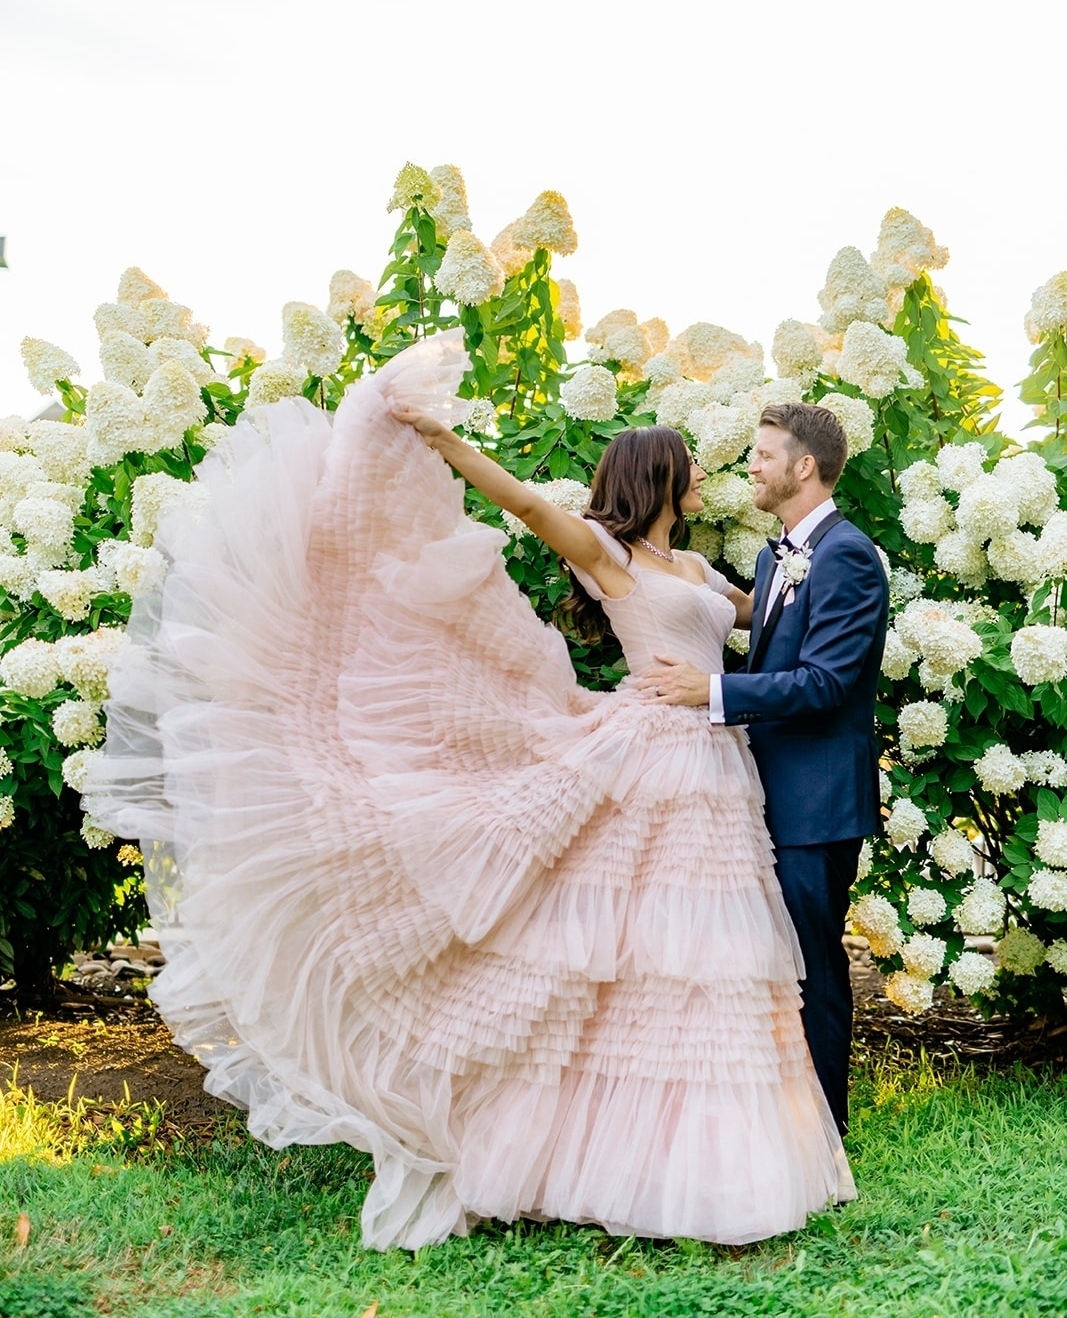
(808, 695)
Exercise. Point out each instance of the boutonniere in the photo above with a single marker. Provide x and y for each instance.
(796, 564)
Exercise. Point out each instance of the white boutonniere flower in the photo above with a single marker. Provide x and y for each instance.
(796, 564)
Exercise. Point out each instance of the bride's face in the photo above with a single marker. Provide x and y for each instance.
(692, 499)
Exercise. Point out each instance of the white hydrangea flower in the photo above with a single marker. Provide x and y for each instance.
(569, 309)
(312, 339)
(726, 494)
(512, 255)
(46, 364)
(18, 575)
(875, 918)
(116, 423)
(48, 523)
(999, 771)
(570, 495)
(765, 523)
(1056, 956)
(590, 394)
(678, 401)
(481, 417)
(170, 320)
(865, 860)
(885, 787)
(988, 509)
(469, 273)
(925, 521)
(450, 211)
(953, 852)
(13, 434)
(919, 482)
(622, 318)
(853, 293)
(247, 350)
(662, 370)
(18, 471)
(856, 417)
(947, 643)
(1016, 557)
(173, 404)
(796, 352)
(1020, 952)
(154, 496)
(31, 668)
(272, 380)
(740, 378)
(873, 360)
(923, 723)
(1048, 889)
(125, 360)
(136, 287)
(136, 568)
(904, 585)
(1033, 482)
(906, 249)
(923, 955)
(926, 906)
(961, 557)
(96, 838)
(707, 540)
(740, 548)
(7, 812)
(1039, 654)
(771, 393)
(70, 593)
(114, 317)
(702, 349)
(898, 657)
(182, 352)
(1045, 768)
(722, 433)
(1051, 844)
(906, 823)
(739, 640)
(413, 187)
(1053, 546)
(1048, 307)
(76, 768)
(972, 973)
(959, 465)
(982, 909)
(911, 993)
(60, 448)
(77, 723)
(547, 224)
(84, 660)
(6, 766)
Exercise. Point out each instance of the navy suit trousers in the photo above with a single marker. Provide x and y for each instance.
(815, 883)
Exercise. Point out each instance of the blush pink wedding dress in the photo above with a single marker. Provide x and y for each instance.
(421, 892)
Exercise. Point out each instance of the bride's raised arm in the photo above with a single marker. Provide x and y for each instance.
(568, 535)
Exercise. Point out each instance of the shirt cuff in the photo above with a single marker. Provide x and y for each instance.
(716, 711)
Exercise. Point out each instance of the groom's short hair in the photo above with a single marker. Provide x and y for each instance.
(813, 430)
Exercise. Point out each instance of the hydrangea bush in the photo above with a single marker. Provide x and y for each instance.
(972, 524)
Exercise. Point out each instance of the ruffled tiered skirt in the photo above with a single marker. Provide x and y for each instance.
(422, 893)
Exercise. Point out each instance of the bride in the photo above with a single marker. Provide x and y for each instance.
(421, 892)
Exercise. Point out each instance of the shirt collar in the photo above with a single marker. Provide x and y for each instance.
(799, 534)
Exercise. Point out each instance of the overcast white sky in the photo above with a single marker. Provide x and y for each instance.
(714, 157)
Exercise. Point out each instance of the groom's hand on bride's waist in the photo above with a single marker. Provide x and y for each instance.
(674, 682)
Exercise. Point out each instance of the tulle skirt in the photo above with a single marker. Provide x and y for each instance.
(421, 892)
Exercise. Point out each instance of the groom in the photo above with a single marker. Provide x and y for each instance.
(821, 603)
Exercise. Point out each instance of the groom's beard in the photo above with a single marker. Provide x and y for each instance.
(772, 494)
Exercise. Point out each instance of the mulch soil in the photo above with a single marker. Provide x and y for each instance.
(103, 1042)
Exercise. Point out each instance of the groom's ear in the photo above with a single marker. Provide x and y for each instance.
(806, 467)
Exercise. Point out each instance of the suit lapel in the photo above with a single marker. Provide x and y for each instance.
(761, 634)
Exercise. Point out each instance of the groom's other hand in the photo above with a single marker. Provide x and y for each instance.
(674, 682)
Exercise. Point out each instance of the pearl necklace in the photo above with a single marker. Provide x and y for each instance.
(667, 557)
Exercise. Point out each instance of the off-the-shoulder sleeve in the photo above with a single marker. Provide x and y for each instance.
(614, 550)
(714, 579)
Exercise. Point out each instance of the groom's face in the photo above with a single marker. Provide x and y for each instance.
(773, 469)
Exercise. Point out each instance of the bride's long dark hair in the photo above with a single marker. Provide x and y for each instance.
(632, 480)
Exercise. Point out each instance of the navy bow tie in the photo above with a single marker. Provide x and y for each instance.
(784, 543)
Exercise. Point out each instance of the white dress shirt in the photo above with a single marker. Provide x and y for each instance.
(798, 537)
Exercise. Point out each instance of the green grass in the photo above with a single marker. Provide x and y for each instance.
(962, 1213)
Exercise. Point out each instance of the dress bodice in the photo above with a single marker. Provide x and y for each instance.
(665, 614)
